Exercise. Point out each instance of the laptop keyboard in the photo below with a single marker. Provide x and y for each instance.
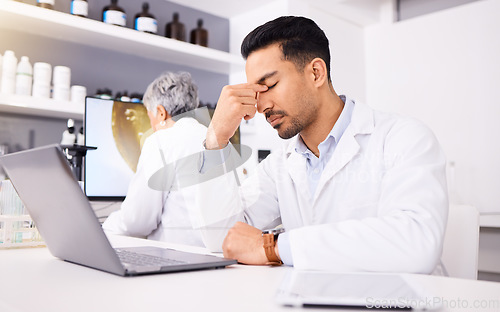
(134, 258)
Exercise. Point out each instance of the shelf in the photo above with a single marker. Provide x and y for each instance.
(491, 220)
(62, 26)
(27, 105)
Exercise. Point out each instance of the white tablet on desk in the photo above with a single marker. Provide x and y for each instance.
(352, 290)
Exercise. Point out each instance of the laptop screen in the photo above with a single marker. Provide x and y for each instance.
(118, 130)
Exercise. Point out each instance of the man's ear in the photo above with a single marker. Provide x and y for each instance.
(318, 68)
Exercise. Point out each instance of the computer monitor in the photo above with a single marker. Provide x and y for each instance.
(118, 130)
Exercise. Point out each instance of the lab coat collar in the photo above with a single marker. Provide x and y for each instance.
(362, 122)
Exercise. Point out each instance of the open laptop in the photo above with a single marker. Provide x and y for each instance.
(353, 291)
(63, 215)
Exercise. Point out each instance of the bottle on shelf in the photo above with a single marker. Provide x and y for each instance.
(62, 82)
(136, 98)
(78, 94)
(47, 4)
(145, 21)
(122, 96)
(175, 29)
(105, 94)
(125, 97)
(80, 8)
(199, 35)
(24, 77)
(9, 67)
(113, 14)
(42, 75)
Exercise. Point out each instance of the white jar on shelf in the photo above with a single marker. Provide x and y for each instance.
(61, 81)
(42, 74)
(62, 76)
(61, 93)
(78, 94)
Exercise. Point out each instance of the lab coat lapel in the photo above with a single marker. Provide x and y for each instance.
(347, 148)
(296, 166)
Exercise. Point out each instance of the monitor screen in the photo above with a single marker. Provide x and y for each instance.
(118, 130)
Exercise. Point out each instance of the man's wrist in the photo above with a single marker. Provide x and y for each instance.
(212, 142)
(213, 145)
(270, 240)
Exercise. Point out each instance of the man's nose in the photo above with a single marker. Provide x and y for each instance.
(263, 102)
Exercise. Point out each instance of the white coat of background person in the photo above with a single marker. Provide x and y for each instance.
(355, 189)
(162, 213)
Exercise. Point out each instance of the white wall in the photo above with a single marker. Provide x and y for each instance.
(347, 53)
(444, 68)
(241, 25)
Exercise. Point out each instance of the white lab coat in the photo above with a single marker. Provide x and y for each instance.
(162, 211)
(380, 205)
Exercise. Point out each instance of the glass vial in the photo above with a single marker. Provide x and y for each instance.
(145, 21)
(47, 4)
(199, 35)
(113, 14)
(175, 29)
(80, 8)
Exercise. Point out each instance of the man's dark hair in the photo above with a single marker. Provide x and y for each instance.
(301, 40)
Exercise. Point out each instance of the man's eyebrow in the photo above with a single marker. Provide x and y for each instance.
(268, 75)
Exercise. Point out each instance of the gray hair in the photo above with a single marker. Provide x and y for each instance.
(176, 92)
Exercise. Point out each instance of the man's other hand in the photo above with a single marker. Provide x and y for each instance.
(245, 244)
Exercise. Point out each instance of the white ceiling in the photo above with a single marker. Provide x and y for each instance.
(223, 8)
(360, 12)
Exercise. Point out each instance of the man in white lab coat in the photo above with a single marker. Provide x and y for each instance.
(354, 189)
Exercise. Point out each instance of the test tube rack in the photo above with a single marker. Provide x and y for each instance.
(18, 231)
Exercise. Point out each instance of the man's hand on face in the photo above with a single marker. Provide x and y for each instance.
(235, 102)
(245, 244)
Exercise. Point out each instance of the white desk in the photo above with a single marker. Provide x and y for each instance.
(32, 280)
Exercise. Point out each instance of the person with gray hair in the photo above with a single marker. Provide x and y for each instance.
(175, 92)
(159, 211)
